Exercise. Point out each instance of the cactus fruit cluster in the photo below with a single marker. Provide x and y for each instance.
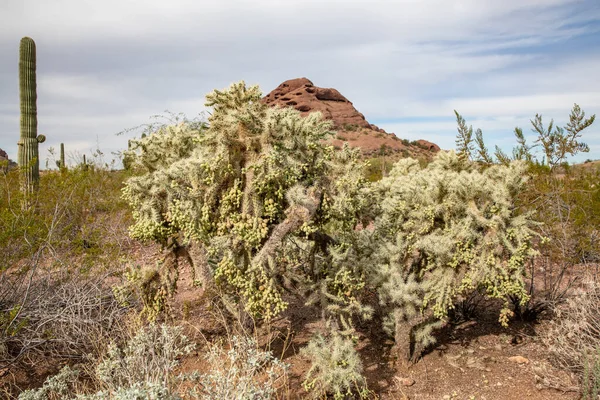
(28, 155)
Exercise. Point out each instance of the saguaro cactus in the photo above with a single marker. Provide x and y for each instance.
(28, 144)
(61, 163)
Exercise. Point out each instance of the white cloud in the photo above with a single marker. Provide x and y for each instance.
(105, 66)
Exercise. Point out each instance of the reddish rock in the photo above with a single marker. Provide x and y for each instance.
(350, 124)
(431, 146)
(301, 94)
(518, 360)
(4, 159)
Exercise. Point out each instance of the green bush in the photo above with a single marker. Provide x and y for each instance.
(69, 212)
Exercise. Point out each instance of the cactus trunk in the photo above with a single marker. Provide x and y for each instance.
(28, 156)
(62, 156)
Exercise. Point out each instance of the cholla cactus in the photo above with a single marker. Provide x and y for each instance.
(336, 369)
(444, 231)
(258, 188)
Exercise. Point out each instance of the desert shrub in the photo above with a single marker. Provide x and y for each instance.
(141, 369)
(64, 386)
(243, 372)
(54, 299)
(350, 127)
(568, 206)
(144, 368)
(565, 200)
(56, 387)
(336, 368)
(590, 388)
(60, 317)
(70, 214)
(149, 357)
(573, 336)
(256, 189)
(443, 231)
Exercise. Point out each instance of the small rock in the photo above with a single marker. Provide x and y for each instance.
(406, 381)
(446, 397)
(498, 347)
(476, 363)
(518, 360)
(372, 367)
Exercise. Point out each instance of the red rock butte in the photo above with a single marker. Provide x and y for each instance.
(350, 125)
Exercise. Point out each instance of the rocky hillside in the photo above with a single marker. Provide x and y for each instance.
(350, 124)
(4, 158)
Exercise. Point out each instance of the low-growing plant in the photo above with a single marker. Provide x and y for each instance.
(149, 357)
(244, 371)
(143, 368)
(56, 387)
(590, 387)
(60, 317)
(336, 368)
(573, 336)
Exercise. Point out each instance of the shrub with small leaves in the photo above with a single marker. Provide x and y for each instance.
(148, 359)
(244, 372)
(59, 386)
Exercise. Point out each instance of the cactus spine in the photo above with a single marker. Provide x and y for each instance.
(28, 155)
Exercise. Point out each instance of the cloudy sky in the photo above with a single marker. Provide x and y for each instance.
(104, 66)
